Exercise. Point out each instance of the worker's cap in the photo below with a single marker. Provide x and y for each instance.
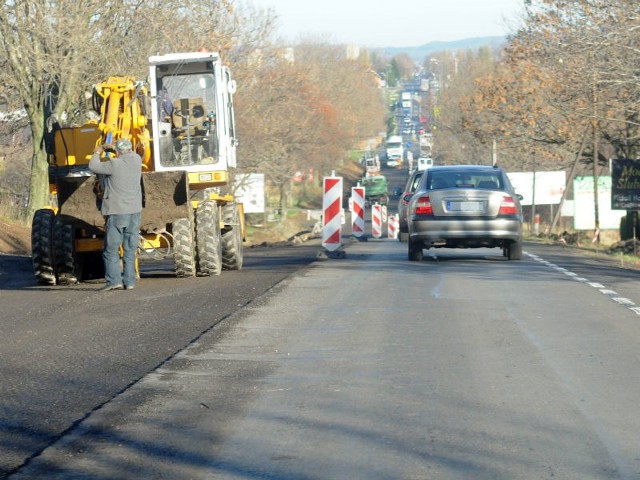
(123, 145)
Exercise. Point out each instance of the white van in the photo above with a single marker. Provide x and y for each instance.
(424, 163)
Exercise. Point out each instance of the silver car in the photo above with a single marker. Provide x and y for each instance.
(465, 206)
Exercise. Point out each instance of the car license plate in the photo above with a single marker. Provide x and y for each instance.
(465, 206)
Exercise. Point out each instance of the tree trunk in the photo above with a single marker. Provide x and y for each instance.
(283, 202)
(39, 183)
(570, 178)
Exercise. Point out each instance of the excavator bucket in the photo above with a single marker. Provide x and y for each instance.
(165, 198)
(78, 203)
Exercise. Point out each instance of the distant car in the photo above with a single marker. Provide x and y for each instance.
(465, 206)
(403, 204)
(394, 162)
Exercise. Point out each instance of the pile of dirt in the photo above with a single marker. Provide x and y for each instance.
(15, 239)
(295, 229)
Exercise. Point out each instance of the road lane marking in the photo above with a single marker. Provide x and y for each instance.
(612, 294)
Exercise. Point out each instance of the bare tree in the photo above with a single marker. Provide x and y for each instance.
(305, 108)
(77, 43)
(49, 47)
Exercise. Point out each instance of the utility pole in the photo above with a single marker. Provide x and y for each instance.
(595, 157)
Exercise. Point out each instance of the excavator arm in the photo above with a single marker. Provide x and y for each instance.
(120, 102)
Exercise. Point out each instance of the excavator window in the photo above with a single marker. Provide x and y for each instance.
(192, 137)
(188, 113)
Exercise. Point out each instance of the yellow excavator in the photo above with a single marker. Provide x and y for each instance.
(182, 125)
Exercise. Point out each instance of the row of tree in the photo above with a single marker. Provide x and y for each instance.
(302, 107)
(563, 94)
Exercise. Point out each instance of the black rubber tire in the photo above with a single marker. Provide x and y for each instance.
(232, 250)
(184, 255)
(42, 246)
(514, 250)
(208, 244)
(63, 255)
(415, 251)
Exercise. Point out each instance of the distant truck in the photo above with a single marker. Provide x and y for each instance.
(406, 103)
(426, 145)
(395, 150)
(372, 165)
(376, 190)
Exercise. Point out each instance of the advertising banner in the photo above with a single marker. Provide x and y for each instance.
(549, 186)
(625, 184)
(250, 191)
(584, 212)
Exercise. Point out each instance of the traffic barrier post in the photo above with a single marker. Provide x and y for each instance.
(332, 213)
(376, 221)
(357, 211)
(392, 226)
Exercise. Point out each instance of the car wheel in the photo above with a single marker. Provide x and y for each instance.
(415, 251)
(514, 250)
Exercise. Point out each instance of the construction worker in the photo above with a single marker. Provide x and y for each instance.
(121, 207)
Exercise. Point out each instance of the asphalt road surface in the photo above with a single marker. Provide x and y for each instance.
(66, 351)
(462, 366)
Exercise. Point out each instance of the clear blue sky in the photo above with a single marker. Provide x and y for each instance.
(392, 23)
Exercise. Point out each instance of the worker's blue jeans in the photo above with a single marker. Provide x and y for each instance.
(122, 229)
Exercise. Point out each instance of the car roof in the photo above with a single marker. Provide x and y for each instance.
(467, 168)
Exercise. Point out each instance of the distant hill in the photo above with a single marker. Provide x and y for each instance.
(422, 51)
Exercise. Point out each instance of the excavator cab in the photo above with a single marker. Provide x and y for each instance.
(199, 135)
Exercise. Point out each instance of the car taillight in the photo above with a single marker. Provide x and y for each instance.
(423, 206)
(508, 206)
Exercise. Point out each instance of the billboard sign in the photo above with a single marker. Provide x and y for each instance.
(584, 212)
(549, 186)
(250, 191)
(625, 184)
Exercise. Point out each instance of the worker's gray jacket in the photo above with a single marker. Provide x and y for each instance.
(122, 190)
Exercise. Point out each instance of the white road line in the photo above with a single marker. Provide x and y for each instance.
(612, 294)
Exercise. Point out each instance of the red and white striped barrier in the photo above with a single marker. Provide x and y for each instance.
(332, 213)
(384, 214)
(357, 211)
(392, 226)
(376, 221)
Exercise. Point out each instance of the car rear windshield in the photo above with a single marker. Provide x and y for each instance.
(461, 179)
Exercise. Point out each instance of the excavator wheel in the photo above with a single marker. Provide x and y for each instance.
(208, 244)
(232, 254)
(42, 246)
(63, 256)
(183, 248)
